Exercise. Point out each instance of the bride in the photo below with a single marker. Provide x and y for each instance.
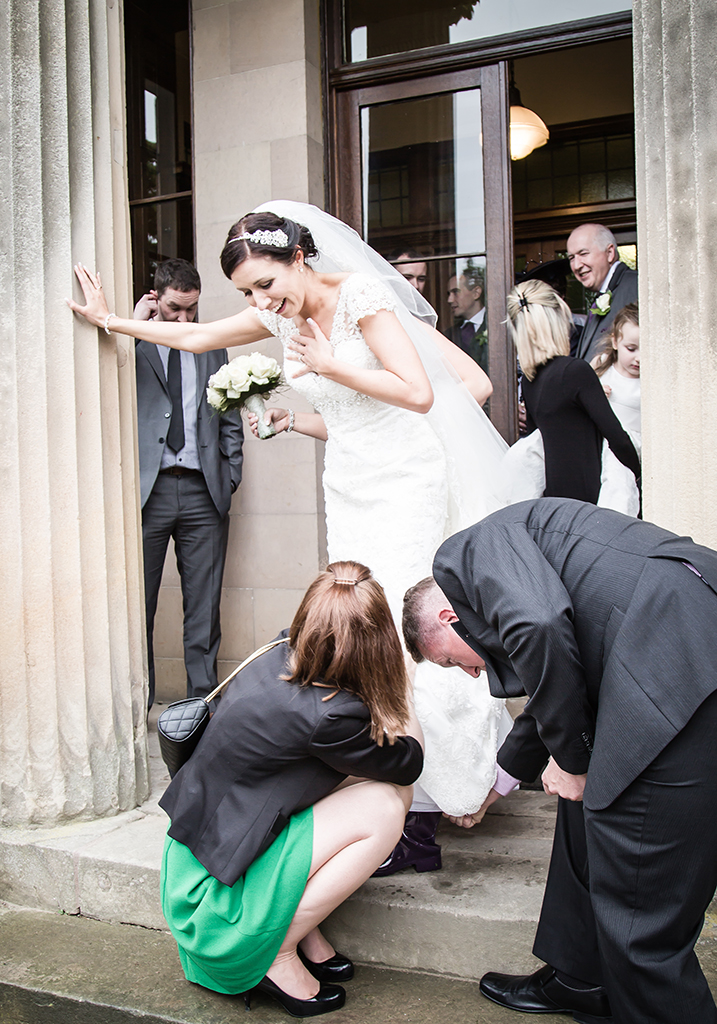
(410, 456)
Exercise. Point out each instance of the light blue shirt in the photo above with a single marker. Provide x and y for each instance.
(187, 457)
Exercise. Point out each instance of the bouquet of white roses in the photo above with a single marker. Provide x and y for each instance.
(245, 382)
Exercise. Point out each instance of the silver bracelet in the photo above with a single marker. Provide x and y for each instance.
(107, 320)
(292, 417)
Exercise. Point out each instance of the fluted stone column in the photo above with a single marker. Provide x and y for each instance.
(675, 46)
(72, 689)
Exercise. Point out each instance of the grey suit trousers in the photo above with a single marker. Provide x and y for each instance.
(181, 507)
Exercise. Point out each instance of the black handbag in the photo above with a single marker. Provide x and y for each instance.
(181, 725)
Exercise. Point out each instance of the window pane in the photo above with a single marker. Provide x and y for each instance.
(373, 28)
(423, 175)
(159, 134)
(160, 231)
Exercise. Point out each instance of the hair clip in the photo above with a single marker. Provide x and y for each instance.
(523, 302)
(346, 583)
(278, 239)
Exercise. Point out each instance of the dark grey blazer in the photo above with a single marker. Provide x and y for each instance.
(594, 615)
(623, 286)
(273, 748)
(219, 437)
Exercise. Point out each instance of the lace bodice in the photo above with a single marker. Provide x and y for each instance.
(359, 296)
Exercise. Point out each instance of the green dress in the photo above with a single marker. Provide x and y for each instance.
(229, 935)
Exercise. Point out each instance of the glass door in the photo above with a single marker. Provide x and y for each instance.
(424, 177)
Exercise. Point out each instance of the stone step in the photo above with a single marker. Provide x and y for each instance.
(477, 913)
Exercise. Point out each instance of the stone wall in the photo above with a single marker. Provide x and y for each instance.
(258, 135)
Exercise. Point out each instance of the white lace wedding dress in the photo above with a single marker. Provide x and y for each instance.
(386, 487)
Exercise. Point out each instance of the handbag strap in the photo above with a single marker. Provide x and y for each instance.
(247, 661)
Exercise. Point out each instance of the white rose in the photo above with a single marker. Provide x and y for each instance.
(603, 302)
(238, 380)
(263, 369)
(220, 379)
(215, 398)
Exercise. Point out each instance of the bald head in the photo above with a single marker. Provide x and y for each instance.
(592, 250)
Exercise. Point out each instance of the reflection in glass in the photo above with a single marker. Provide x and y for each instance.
(423, 174)
(160, 231)
(159, 134)
(374, 28)
(466, 300)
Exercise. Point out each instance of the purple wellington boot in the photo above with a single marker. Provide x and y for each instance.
(417, 846)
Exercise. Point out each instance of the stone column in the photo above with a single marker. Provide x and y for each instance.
(72, 688)
(675, 50)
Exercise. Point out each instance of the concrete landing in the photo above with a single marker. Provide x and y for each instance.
(56, 969)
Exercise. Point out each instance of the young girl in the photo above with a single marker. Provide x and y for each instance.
(618, 366)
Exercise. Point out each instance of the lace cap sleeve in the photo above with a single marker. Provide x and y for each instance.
(366, 295)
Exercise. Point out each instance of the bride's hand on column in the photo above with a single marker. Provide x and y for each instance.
(279, 418)
(95, 309)
(312, 348)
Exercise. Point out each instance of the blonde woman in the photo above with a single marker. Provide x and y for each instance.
(563, 396)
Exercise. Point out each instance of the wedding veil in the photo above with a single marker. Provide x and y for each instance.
(474, 449)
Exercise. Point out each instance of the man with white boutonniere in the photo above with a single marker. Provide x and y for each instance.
(594, 260)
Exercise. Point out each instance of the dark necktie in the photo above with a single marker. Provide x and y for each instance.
(468, 330)
(175, 434)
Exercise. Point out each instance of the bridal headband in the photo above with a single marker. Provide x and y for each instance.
(278, 239)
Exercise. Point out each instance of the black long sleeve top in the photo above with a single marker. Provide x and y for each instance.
(566, 402)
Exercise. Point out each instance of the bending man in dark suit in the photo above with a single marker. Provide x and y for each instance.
(190, 464)
(608, 624)
(594, 260)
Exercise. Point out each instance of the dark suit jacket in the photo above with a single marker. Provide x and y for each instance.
(477, 349)
(271, 749)
(591, 614)
(219, 437)
(623, 286)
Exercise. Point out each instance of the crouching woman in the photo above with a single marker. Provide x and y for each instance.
(296, 793)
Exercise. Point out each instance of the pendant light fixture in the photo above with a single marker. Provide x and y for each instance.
(527, 130)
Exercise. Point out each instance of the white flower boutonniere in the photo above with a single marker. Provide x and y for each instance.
(245, 381)
(601, 305)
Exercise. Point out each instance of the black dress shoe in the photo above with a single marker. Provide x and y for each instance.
(542, 992)
(328, 998)
(337, 968)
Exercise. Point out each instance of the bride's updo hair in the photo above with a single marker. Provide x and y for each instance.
(343, 637)
(235, 251)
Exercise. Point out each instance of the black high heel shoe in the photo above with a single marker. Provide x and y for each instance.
(328, 998)
(336, 968)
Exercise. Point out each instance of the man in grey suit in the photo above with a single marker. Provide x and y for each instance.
(608, 625)
(594, 260)
(190, 464)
